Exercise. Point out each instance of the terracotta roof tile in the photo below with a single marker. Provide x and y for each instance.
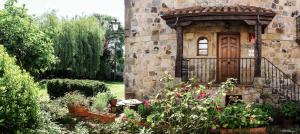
(218, 10)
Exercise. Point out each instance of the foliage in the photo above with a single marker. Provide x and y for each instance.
(110, 96)
(234, 116)
(82, 45)
(58, 87)
(259, 118)
(268, 108)
(131, 114)
(120, 127)
(240, 115)
(100, 102)
(144, 111)
(22, 38)
(75, 98)
(47, 126)
(289, 109)
(19, 108)
(55, 108)
(80, 128)
(185, 108)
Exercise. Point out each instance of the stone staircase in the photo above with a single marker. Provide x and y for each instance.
(278, 84)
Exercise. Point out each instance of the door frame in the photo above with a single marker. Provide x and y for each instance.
(239, 65)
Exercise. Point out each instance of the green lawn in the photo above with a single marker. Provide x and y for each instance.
(117, 89)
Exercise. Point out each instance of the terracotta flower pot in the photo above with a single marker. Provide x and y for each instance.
(214, 131)
(78, 110)
(287, 123)
(71, 109)
(260, 130)
(107, 118)
(230, 131)
(113, 102)
(103, 118)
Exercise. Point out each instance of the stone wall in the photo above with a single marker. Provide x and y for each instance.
(151, 45)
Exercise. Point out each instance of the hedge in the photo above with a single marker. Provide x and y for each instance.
(58, 87)
(19, 107)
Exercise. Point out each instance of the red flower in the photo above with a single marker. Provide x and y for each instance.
(202, 95)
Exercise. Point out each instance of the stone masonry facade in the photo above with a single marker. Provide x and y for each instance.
(150, 48)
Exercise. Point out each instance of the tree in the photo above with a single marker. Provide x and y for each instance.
(111, 40)
(78, 43)
(22, 38)
(84, 45)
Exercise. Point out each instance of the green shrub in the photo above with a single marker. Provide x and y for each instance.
(268, 108)
(58, 87)
(289, 109)
(185, 108)
(19, 108)
(241, 115)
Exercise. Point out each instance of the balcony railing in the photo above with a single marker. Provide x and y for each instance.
(212, 69)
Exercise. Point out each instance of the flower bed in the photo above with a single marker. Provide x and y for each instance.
(183, 108)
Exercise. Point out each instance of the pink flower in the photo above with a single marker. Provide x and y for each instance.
(202, 95)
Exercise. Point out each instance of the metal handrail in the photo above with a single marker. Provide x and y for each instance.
(287, 76)
(281, 82)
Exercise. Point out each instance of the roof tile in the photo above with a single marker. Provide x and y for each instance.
(220, 10)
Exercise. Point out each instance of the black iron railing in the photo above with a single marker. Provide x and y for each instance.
(280, 83)
(208, 69)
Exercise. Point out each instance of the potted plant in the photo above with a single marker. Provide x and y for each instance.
(243, 118)
(289, 111)
(76, 103)
(258, 120)
(233, 119)
(99, 107)
(112, 99)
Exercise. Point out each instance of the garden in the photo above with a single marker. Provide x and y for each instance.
(62, 76)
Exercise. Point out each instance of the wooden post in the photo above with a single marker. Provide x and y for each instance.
(179, 54)
(257, 49)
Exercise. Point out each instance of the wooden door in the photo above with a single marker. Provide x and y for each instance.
(229, 54)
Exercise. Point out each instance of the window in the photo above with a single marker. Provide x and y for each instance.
(202, 46)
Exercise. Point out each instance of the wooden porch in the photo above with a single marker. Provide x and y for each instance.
(244, 69)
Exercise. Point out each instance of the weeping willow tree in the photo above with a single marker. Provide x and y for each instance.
(79, 46)
(78, 43)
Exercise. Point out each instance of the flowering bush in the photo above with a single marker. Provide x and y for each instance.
(242, 115)
(186, 107)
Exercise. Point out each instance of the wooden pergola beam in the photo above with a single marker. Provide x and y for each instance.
(179, 54)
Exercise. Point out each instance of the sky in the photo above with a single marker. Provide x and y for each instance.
(75, 7)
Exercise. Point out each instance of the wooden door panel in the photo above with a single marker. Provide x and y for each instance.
(229, 54)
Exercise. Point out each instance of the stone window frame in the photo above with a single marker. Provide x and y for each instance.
(198, 46)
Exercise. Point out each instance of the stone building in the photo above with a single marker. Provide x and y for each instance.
(253, 41)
